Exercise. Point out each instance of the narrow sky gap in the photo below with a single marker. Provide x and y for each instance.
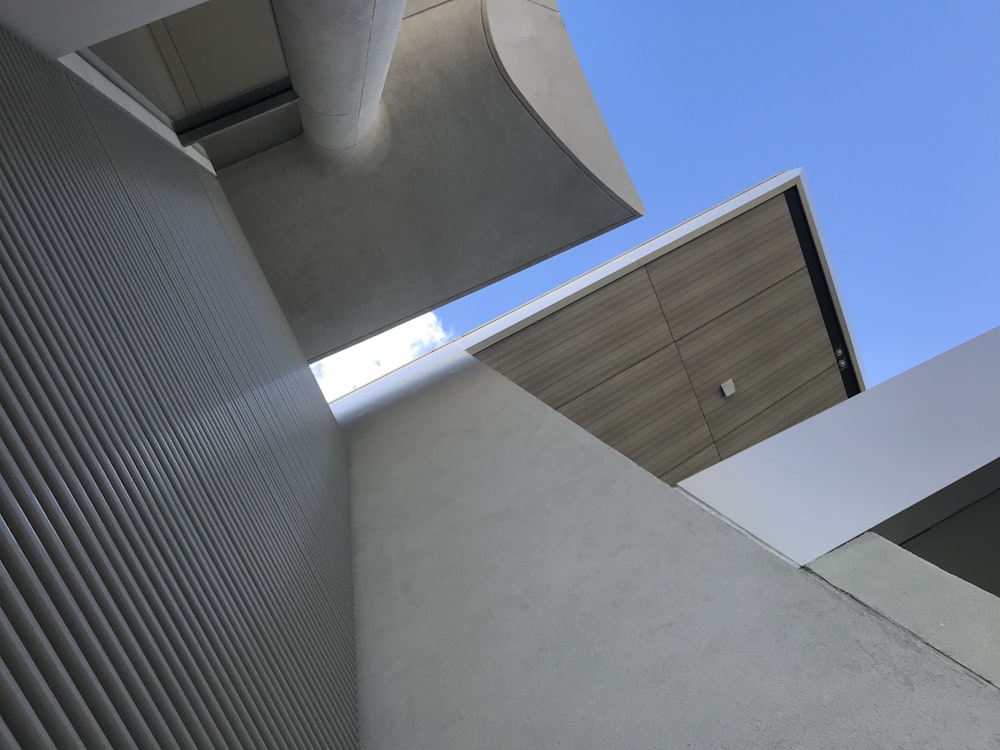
(379, 355)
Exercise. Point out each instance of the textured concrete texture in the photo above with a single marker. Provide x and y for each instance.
(952, 615)
(521, 585)
(458, 184)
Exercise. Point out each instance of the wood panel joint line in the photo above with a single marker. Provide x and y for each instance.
(612, 376)
(742, 302)
(684, 461)
(683, 365)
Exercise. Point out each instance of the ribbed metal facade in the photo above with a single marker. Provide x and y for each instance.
(175, 536)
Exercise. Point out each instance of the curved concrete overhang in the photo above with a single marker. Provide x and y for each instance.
(470, 174)
(535, 55)
(338, 57)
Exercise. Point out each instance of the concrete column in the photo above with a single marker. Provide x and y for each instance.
(338, 54)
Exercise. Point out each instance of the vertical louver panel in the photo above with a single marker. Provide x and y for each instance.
(174, 534)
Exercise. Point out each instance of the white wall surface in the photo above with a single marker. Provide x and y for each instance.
(821, 483)
(952, 615)
(519, 584)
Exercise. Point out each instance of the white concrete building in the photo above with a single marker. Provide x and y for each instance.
(197, 198)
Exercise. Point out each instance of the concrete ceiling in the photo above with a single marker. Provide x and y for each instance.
(488, 155)
(201, 57)
(56, 27)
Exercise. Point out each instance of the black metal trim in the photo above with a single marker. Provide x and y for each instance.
(821, 288)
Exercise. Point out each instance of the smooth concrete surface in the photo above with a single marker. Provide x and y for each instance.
(252, 135)
(823, 482)
(957, 618)
(137, 60)
(56, 28)
(338, 57)
(535, 54)
(521, 585)
(456, 186)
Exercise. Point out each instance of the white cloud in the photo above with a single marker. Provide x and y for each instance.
(362, 363)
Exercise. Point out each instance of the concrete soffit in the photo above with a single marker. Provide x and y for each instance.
(487, 156)
(535, 55)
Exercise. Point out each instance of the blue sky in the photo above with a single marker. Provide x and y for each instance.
(892, 108)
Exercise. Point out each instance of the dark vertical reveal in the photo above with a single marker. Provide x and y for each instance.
(815, 267)
(174, 532)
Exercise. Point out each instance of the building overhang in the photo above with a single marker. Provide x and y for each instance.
(489, 155)
(824, 279)
(483, 154)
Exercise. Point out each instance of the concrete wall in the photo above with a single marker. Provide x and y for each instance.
(519, 584)
(818, 485)
(175, 562)
(951, 614)
(535, 54)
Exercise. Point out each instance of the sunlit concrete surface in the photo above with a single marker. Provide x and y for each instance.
(521, 585)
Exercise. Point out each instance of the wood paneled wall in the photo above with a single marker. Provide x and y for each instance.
(639, 362)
